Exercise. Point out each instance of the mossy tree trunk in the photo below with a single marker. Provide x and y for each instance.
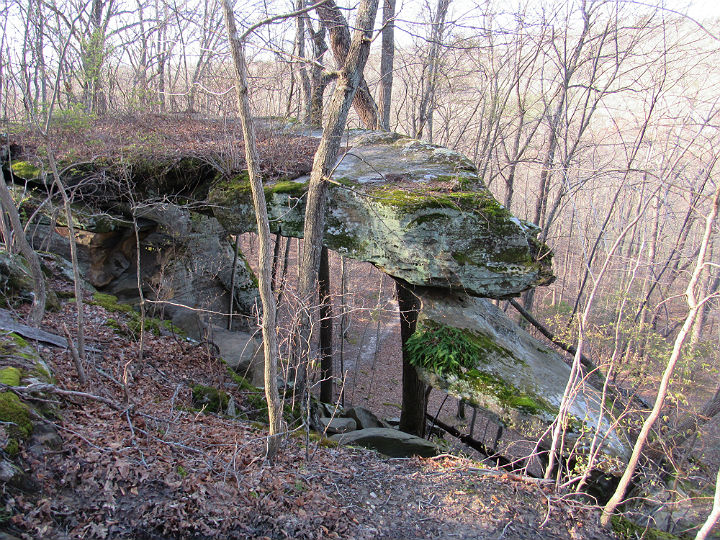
(414, 403)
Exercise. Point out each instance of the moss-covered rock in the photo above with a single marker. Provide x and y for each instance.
(10, 376)
(17, 414)
(417, 211)
(25, 170)
(110, 303)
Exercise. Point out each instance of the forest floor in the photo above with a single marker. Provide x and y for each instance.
(159, 469)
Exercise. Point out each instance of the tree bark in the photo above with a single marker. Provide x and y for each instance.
(431, 69)
(414, 404)
(39, 293)
(340, 44)
(319, 80)
(714, 514)
(265, 257)
(326, 324)
(387, 57)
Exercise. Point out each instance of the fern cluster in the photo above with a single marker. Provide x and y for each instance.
(443, 349)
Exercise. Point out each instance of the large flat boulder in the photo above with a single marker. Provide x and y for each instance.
(417, 211)
(391, 442)
(472, 350)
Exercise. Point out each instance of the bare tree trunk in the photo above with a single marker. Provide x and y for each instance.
(337, 27)
(326, 155)
(319, 80)
(431, 69)
(414, 403)
(79, 303)
(714, 514)
(694, 306)
(326, 324)
(39, 293)
(265, 257)
(386, 65)
(302, 67)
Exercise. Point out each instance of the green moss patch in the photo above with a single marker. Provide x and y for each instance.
(25, 170)
(110, 302)
(209, 399)
(10, 376)
(480, 203)
(507, 394)
(627, 530)
(295, 189)
(15, 412)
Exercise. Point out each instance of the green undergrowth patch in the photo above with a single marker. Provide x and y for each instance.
(209, 399)
(133, 324)
(627, 530)
(459, 354)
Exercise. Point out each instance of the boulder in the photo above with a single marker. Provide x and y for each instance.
(337, 425)
(387, 441)
(363, 418)
(503, 369)
(417, 211)
(243, 352)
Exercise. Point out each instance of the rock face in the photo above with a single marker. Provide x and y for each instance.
(417, 211)
(185, 260)
(388, 441)
(510, 373)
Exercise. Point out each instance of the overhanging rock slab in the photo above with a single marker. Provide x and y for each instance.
(515, 377)
(419, 212)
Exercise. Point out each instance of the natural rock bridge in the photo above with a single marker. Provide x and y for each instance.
(417, 211)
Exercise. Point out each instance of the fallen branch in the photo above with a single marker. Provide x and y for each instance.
(584, 360)
(8, 323)
(615, 391)
(38, 388)
(472, 443)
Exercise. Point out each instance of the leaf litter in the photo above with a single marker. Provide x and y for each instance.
(159, 469)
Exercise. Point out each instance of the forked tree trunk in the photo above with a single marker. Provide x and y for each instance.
(265, 258)
(325, 158)
(336, 25)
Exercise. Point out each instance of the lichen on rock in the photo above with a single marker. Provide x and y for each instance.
(417, 211)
